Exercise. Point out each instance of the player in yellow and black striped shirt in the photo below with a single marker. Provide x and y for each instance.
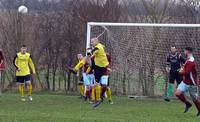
(24, 66)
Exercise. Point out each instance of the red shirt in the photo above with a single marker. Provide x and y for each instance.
(2, 62)
(190, 72)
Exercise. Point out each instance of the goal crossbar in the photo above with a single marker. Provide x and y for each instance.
(143, 24)
(90, 24)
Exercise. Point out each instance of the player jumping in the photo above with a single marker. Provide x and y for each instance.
(190, 82)
(23, 63)
(99, 65)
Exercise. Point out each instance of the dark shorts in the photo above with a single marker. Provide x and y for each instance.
(99, 72)
(174, 75)
(81, 81)
(23, 79)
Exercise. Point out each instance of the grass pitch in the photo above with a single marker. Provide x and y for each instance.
(48, 107)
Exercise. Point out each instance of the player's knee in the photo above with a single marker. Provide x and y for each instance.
(178, 92)
(194, 97)
(28, 82)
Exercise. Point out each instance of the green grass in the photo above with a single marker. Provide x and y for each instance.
(48, 107)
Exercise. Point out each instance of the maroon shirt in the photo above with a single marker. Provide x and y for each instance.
(2, 65)
(190, 72)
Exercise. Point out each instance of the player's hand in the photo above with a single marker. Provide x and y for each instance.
(18, 69)
(180, 70)
(168, 69)
(34, 73)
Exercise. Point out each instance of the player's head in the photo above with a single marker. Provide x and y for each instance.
(23, 49)
(79, 56)
(173, 49)
(188, 51)
(94, 41)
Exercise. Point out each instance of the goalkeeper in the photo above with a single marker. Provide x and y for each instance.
(174, 62)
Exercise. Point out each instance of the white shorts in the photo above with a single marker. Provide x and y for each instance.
(91, 79)
(104, 80)
(88, 79)
(187, 88)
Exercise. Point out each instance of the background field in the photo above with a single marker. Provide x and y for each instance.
(51, 107)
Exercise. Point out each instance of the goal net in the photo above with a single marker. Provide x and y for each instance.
(139, 53)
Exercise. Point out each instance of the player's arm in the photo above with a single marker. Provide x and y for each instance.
(182, 60)
(77, 67)
(88, 70)
(80, 65)
(186, 69)
(15, 62)
(95, 51)
(31, 64)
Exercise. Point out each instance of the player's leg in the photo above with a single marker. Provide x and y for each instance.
(29, 86)
(104, 84)
(87, 86)
(178, 78)
(108, 92)
(92, 88)
(20, 82)
(98, 73)
(170, 87)
(93, 96)
(182, 88)
(193, 94)
(81, 87)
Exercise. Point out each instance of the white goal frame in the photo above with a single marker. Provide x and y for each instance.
(90, 24)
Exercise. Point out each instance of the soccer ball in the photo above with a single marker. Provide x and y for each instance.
(23, 9)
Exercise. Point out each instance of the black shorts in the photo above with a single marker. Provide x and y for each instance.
(81, 81)
(23, 79)
(174, 75)
(99, 72)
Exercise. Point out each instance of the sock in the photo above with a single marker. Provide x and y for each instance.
(21, 90)
(98, 92)
(30, 89)
(93, 94)
(197, 104)
(88, 93)
(109, 94)
(103, 90)
(81, 90)
(169, 90)
(183, 99)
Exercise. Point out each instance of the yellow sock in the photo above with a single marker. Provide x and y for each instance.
(30, 89)
(93, 94)
(109, 94)
(81, 90)
(98, 92)
(21, 90)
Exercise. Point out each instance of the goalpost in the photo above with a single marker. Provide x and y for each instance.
(139, 50)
